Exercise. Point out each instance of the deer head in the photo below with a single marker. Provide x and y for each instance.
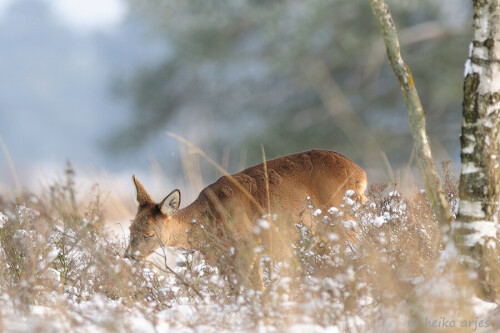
(149, 229)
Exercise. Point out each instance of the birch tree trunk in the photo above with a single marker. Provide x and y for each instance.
(476, 227)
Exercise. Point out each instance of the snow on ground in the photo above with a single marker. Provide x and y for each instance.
(101, 314)
(76, 280)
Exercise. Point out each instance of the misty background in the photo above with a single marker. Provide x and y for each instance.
(99, 83)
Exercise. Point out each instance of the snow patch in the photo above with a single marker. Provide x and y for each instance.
(394, 194)
(333, 210)
(350, 224)
(468, 64)
(471, 47)
(333, 237)
(467, 68)
(317, 212)
(379, 221)
(264, 224)
(349, 201)
(482, 308)
(3, 219)
(349, 193)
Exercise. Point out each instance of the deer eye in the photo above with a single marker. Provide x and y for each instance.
(149, 236)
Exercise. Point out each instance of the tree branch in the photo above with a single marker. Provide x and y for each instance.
(416, 117)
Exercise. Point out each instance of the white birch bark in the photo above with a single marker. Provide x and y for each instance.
(476, 228)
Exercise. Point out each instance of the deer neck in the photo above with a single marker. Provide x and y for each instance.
(180, 225)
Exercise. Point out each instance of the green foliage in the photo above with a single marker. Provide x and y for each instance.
(243, 70)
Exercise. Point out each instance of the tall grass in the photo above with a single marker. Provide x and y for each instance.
(372, 266)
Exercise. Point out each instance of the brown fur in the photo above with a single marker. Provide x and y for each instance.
(322, 176)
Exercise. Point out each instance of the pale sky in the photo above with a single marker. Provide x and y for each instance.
(83, 15)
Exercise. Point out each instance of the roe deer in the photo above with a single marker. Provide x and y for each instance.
(322, 177)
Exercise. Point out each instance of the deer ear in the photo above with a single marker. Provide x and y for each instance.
(171, 203)
(142, 196)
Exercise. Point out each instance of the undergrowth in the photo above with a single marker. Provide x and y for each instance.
(386, 275)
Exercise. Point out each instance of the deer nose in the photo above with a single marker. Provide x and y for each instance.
(128, 254)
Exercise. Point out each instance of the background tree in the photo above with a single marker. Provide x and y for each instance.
(293, 75)
(416, 117)
(477, 225)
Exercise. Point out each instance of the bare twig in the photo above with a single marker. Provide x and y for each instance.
(416, 117)
(167, 269)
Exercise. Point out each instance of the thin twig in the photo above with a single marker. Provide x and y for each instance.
(266, 177)
(200, 152)
(12, 167)
(177, 276)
